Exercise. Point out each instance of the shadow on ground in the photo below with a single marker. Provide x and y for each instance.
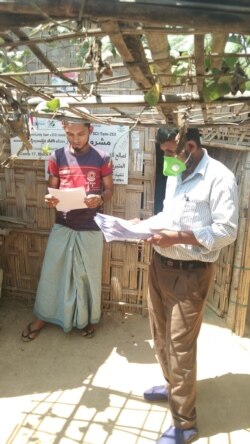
(223, 404)
(87, 383)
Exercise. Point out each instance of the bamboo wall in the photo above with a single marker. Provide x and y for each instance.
(229, 295)
(238, 313)
(22, 189)
(25, 223)
(125, 264)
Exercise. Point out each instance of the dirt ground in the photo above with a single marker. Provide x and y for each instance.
(66, 389)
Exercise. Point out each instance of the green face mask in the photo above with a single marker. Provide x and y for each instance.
(173, 166)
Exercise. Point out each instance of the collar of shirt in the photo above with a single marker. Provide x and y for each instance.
(200, 168)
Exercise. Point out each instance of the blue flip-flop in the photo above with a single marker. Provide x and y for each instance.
(174, 435)
(156, 393)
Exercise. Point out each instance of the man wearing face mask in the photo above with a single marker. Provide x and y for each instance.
(199, 218)
(165, 146)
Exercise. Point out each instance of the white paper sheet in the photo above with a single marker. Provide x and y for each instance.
(115, 228)
(70, 199)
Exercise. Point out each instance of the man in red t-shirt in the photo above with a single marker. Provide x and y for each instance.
(69, 290)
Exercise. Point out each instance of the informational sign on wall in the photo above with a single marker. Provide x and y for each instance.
(48, 135)
(115, 140)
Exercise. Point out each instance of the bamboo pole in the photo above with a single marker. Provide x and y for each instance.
(238, 298)
(244, 284)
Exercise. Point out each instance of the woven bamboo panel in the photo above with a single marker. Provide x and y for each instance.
(125, 276)
(21, 260)
(125, 264)
(22, 190)
(239, 300)
(219, 296)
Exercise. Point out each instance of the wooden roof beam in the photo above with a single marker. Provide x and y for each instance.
(23, 88)
(218, 45)
(131, 50)
(200, 66)
(160, 51)
(206, 16)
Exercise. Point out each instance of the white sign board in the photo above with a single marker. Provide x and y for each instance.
(49, 133)
(115, 140)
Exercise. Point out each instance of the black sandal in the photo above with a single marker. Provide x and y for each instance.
(88, 332)
(29, 335)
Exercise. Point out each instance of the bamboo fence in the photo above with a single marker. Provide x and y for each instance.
(239, 291)
(125, 264)
(27, 223)
(229, 295)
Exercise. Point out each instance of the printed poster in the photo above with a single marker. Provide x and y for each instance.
(47, 135)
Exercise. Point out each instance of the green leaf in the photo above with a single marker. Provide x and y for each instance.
(225, 79)
(247, 85)
(230, 61)
(53, 105)
(26, 52)
(242, 87)
(153, 95)
(209, 92)
(213, 91)
(208, 63)
(216, 71)
(152, 69)
(223, 89)
(46, 149)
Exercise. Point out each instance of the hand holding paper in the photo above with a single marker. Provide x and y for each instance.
(115, 228)
(69, 199)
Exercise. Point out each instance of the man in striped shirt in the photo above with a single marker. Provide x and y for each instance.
(199, 218)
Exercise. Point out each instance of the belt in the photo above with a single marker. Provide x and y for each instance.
(180, 265)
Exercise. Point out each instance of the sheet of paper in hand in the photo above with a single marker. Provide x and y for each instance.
(69, 199)
(115, 228)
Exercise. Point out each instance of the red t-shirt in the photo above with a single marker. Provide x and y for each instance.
(80, 170)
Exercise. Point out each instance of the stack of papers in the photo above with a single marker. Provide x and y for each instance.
(114, 228)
